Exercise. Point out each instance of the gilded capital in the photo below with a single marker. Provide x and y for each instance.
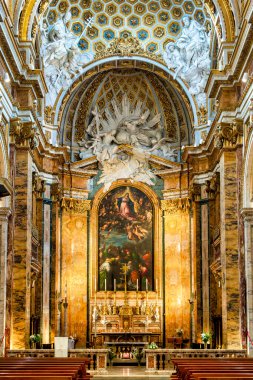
(77, 206)
(173, 206)
(23, 133)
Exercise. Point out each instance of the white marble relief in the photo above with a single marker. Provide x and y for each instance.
(123, 141)
(62, 58)
(189, 57)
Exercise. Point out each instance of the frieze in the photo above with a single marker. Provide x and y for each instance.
(77, 206)
(173, 206)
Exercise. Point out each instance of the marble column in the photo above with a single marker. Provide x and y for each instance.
(20, 326)
(229, 251)
(4, 216)
(247, 215)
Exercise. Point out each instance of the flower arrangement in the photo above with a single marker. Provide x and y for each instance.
(152, 346)
(179, 331)
(205, 337)
(35, 338)
(137, 354)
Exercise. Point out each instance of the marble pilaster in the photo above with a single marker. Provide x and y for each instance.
(20, 326)
(74, 266)
(205, 267)
(229, 251)
(4, 215)
(177, 267)
(247, 215)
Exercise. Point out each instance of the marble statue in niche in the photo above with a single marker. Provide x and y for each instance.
(189, 57)
(123, 141)
(62, 57)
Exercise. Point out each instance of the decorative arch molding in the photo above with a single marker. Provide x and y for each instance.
(105, 64)
(157, 225)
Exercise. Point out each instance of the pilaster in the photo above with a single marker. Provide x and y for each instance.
(74, 259)
(229, 248)
(177, 265)
(22, 135)
(4, 216)
(247, 215)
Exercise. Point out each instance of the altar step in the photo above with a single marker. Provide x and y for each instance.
(131, 373)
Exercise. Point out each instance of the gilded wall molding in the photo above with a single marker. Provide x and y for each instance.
(173, 206)
(77, 206)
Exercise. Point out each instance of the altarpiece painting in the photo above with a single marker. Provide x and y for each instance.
(125, 239)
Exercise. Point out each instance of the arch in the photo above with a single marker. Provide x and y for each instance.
(95, 67)
(157, 226)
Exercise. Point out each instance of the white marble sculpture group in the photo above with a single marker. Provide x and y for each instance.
(123, 142)
(62, 57)
(189, 57)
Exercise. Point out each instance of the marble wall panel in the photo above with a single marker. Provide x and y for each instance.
(229, 251)
(205, 266)
(74, 272)
(177, 272)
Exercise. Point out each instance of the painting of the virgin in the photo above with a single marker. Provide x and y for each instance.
(125, 239)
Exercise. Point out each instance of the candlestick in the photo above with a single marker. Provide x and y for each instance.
(137, 284)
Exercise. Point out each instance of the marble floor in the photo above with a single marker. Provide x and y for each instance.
(131, 372)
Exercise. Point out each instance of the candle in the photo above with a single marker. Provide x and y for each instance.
(105, 284)
(95, 286)
(115, 284)
(156, 286)
(146, 284)
(137, 285)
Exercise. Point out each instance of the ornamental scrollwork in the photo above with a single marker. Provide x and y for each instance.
(228, 134)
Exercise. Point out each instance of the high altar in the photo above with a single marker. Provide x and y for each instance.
(135, 321)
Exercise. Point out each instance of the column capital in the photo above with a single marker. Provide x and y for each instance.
(172, 206)
(5, 212)
(228, 134)
(247, 214)
(78, 206)
(23, 134)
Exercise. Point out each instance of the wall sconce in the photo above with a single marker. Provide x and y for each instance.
(7, 78)
(245, 77)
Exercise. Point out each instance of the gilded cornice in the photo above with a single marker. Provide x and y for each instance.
(173, 206)
(76, 206)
